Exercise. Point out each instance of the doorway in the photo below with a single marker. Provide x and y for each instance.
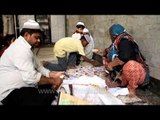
(44, 22)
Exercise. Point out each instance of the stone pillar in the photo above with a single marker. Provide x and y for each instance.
(8, 25)
(58, 27)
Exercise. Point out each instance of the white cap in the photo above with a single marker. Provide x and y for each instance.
(85, 30)
(87, 37)
(31, 24)
(80, 23)
(77, 36)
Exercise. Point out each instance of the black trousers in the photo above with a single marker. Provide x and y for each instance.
(43, 95)
(63, 62)
(78, 61)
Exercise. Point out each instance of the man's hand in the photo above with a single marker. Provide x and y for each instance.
(57, 79)
(95, 63)
(100, 50)
(114, 63)
(109, 67)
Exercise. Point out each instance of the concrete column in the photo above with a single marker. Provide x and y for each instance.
(8, 24)
(57, 27)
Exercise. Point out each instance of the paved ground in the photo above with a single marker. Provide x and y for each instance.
(148, 97)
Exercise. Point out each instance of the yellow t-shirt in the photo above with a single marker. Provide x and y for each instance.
(68, 45)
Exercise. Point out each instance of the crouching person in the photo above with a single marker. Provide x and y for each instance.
(124, 61)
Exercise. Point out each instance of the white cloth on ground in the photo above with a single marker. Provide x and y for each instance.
(91, 89)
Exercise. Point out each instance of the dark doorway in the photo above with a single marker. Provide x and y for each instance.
(44, 21)
(1, 25)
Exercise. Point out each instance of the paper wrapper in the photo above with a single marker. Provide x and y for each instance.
(67, 99)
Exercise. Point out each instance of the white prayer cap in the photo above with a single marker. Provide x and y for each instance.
(77, 36)
(85, 30)
(87, 37)
(31, 24)
(80, 23)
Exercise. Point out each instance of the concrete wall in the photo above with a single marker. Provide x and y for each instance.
(144, 28)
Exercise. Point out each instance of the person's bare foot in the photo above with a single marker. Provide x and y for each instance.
(132, 93)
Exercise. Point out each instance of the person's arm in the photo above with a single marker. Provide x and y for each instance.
(88, 51)
(93, 62)
(26, 65)
(86, 59)
(109, 66)
(100, 50)
(124, 54)
(41, 68)
(48, 77)
(56, 79)
(44, 80)
(80, 50)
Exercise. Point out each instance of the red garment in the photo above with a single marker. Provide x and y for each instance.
(133, 74)
(2, 51)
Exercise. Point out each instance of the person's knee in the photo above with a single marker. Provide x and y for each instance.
(49, 66)
(63, 67)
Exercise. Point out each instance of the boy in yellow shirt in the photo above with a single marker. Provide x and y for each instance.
(71, 46)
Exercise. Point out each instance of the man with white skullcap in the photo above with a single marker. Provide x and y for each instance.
(80, 23)
(79, 30)
(22, 77)
(31, 24)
